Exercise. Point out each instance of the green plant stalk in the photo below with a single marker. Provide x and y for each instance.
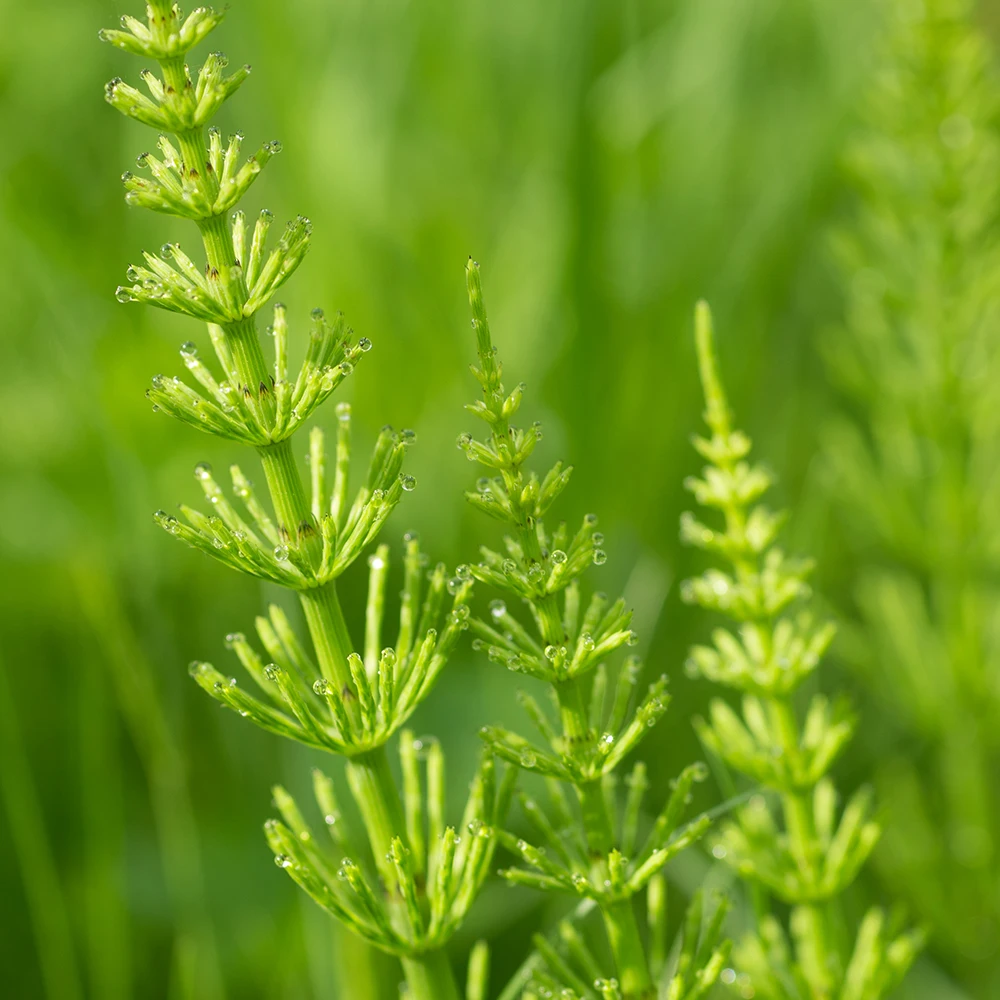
(429, 977)
(132, 677)
(185, 182)
(284, 484)
(625, 941)
(624, 936)
(108, 939)
(796, 807)
(374, 790)
(767, 659)
(592, 734)
(370, 778)
(909, 459)
(328, 630)
(47, 907)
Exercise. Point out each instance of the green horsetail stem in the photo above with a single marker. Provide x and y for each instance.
(795, 850)
(403, 888)
(566, 641)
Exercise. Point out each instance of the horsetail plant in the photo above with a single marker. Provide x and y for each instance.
(808, 857)
(911, 460)
(332, 696)
(569, 969)
(595, 852)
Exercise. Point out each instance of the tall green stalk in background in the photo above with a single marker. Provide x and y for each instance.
(788, 844)
(912, 465)
(591, 728)
(331, 697)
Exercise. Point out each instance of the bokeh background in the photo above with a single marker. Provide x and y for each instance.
(607, 162)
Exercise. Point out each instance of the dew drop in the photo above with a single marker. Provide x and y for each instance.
(498, 609)
(408, 483)
(323, 687)
(281, 553)
(365, 344)
(423, 745)
(558, 557)
(600, 557)
(203, 471)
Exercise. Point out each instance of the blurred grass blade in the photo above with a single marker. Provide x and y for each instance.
(196, 959)
(108, 935)
(46, 901)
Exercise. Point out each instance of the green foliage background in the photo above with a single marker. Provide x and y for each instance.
(607, 163)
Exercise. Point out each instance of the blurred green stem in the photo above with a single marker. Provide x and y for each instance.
(629, 954)
(805, 848)
(197, 959)
(108, 931)
(429, 977)
(46, 903)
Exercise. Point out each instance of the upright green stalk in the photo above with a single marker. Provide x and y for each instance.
(566, 643)
(421, 882)
(196, 955)
(47, 907)
(808, 860)
(911, 464)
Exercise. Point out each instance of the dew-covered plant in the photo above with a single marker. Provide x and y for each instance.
(584, 844)
(911, 465)
(328, 692)
(792, 843)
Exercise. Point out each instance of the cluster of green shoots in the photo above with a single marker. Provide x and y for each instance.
(409, 883)
(788, 842)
